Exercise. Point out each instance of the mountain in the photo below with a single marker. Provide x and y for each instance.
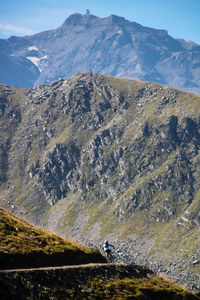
(97, 157)
(111, 46)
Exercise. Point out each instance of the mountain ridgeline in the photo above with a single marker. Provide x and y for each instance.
(97, 157)
(111, 46)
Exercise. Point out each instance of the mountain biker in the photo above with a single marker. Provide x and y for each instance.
(108, 250)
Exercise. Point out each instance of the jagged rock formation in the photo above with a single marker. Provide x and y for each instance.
(111, 46)
(96, 156)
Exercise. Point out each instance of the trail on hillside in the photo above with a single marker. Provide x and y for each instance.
(60, 267)
(89, 281)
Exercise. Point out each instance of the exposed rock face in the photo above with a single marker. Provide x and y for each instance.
(57, 172)
(95, 155)
(111, 46)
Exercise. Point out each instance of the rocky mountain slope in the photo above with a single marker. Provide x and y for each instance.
(97, 157)
(111, 46)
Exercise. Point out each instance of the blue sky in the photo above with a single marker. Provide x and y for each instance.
(180, 17)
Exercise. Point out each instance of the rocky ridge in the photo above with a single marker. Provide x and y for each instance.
(95, 155)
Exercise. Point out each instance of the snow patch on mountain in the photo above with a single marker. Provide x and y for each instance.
(36, 61)
(33, 48)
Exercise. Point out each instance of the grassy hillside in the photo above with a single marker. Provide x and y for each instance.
(25, 245)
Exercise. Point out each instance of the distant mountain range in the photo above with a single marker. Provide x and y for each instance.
(111, 46)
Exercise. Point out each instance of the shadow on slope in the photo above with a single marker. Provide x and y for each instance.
(91, 282)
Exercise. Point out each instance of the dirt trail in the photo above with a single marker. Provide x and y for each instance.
(69, 277)
(60, 267)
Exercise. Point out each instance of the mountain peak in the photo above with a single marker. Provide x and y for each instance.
(77, 19)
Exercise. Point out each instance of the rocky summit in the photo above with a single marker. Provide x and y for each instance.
(95, 157)
(111, 46)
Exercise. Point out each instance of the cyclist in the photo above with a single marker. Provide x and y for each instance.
(107, 248)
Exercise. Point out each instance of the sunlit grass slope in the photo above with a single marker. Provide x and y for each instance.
(22, 239)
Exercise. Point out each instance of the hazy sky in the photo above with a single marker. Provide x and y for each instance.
(180, 17)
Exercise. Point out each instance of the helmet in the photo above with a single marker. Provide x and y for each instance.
(106, 242)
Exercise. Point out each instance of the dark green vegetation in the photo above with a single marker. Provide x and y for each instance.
(91, 282)
(99, 157)
(24, 245)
